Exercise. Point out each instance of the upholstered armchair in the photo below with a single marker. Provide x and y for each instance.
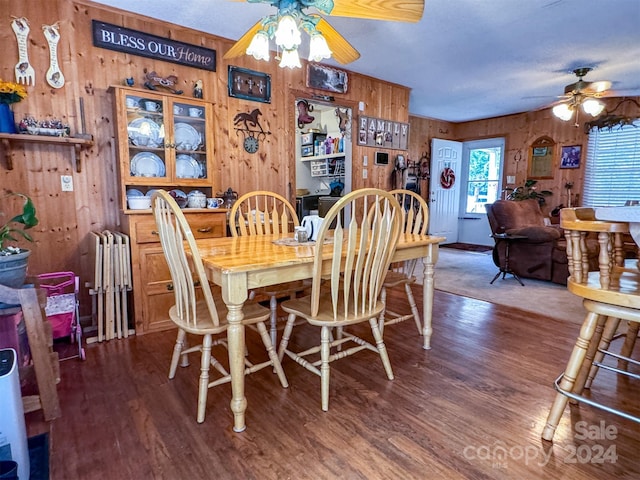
(542, 254)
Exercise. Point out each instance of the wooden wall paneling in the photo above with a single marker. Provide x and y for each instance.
(61, 240)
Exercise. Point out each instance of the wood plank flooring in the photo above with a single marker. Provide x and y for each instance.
(472, 407)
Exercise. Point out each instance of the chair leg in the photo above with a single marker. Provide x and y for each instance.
(629, 344)
(383, 299)
(273, 306)
(414, 307)
(610, 328)
(178, 347)
(569, 376)
(203, 387)
(273, 356)
(382, 349)
(284, 341)
(325, 351)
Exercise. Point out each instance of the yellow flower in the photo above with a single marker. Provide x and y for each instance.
(11, 92)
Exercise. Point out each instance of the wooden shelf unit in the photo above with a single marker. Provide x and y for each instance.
(77, 143)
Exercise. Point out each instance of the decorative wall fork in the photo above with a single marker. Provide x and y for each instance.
(54, 75)
(24, 71)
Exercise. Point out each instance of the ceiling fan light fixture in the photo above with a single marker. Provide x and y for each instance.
(318, 47)
(259, 46)
(563, 111)
(287, 34)
(593, 107)
(290, 59)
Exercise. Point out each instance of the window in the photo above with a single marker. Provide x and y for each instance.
(483, 179)
(612, 174)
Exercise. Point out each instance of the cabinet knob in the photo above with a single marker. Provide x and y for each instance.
(204, 230)
(170, 287)
(154, 232)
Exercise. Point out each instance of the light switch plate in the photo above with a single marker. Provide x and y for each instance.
(511, 179)
(66, 181)
(365, 161)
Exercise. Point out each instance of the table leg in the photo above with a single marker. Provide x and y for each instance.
(427, 295)
(234, 294)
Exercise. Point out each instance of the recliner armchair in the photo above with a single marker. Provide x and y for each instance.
(542, 254)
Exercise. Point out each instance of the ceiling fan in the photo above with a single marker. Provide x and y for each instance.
(582, 93)
(325, 41)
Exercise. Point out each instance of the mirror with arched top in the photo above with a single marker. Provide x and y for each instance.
(541, 156)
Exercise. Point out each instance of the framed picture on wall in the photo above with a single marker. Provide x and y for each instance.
(570, 157)
(249, 84)
(326, 78)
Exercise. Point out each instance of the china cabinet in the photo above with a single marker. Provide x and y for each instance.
(163, 141)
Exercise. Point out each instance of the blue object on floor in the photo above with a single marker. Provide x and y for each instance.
(39, 456)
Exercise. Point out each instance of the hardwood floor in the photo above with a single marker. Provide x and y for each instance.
(472, 407)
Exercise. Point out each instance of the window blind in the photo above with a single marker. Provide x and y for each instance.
(612, 171)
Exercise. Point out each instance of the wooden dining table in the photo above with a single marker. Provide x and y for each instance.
(240, 264)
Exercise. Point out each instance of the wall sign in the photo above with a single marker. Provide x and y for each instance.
(376, 132)
(249, 84)
(120, 39)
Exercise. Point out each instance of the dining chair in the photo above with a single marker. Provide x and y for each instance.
(265, 213)
(609, 295)
(415, 219)
(197, 311)
(357, 257)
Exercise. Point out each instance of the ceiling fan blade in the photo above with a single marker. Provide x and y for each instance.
(342, 51)
(598, 87)
(391, 10)
(239, 48)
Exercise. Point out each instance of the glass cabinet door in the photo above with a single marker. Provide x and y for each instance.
(146, 132)
(189, 140)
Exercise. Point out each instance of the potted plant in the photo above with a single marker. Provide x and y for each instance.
(13, 260)
(10, 93)
(527, 191)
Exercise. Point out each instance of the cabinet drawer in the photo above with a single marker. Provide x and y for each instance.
(203, 225)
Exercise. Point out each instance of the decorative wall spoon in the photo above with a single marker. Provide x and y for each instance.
(54, 75)
(24, 71)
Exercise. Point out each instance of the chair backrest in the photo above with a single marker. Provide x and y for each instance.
(510, 214)
(177, 241)
(415, 211)
(577, 223)
(362, 250)
(262, 213)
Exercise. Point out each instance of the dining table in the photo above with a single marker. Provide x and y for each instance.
(241, 264)
(627, 213)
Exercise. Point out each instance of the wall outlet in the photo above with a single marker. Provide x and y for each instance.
(66, 181)
(364, 173)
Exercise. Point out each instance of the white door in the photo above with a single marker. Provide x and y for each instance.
(480, 183)
(444, 197)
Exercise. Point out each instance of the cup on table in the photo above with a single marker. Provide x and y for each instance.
(178, 110)
(214, 202)
(131, 102)
(195, 112)
(150, 106)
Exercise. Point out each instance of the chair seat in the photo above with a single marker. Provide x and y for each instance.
(393, 279)
(253, 313)
(302, 307)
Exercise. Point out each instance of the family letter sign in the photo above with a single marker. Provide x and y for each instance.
(143, 44)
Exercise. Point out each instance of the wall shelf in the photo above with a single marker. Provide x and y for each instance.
(77, 143)
(323, 157)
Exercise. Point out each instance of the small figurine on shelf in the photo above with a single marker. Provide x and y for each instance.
(197, 89)
(153, 81)
(129, 82)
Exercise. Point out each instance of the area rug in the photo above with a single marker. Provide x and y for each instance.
(470, 247)
(469, 273)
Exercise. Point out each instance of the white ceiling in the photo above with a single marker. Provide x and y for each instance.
(466, 59)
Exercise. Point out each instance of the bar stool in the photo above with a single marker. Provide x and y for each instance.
(610, 294)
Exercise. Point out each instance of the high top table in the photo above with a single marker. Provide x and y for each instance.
(630, 214)
(240, 264)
